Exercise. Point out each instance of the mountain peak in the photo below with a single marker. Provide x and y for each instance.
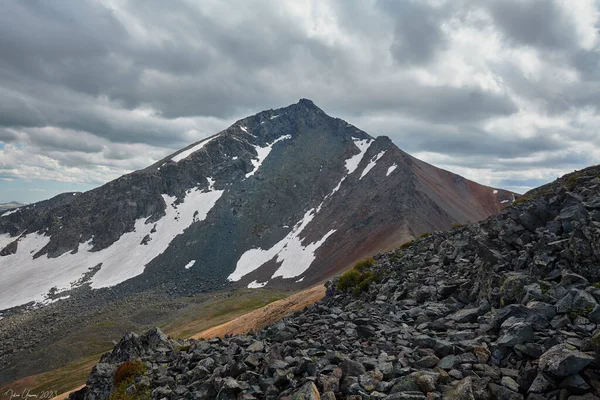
(307, 104)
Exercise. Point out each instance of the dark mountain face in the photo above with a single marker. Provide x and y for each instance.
(284, 197)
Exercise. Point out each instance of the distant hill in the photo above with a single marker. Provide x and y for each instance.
(11, 205)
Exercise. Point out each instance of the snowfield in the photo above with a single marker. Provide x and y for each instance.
(363, 146)
(293, 256)
(263, 153)
(185, 154)
(371, 164)
(9, 212)
(23, 279)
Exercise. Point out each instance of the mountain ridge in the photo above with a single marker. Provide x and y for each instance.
(276, 161)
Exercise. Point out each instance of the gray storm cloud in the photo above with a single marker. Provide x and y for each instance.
(502, 91)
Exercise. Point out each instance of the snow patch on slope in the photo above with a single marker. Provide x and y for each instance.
(185, 154)
(263, 153)
(190, 264)
(23, 279)
(351, 165)
(293, 256)
(256, 285)
(391, 169)
(371, 164)
(9, 212)
(245, 129)
(211, 183)
(352, 162)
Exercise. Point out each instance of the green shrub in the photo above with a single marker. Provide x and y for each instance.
(366, 280)
(364, 264)
(348, 280)
(424, 235)
(357, 278)
(456, 225)
(405, 245)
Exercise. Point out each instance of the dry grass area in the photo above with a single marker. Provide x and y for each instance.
(66, 395)
(266, 315)
(234, 312)
(60, 380)
(220, 309)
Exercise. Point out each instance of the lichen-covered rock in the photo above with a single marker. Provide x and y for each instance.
(564, 360)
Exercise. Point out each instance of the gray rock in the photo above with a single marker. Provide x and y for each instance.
(564, 360)
(518, 333)
(461, 390)
(541, 384)
(352, 368)
(465, 315)
(502, 393)
(449, 362)
(510, 383)
(570, 278)
(575, 384)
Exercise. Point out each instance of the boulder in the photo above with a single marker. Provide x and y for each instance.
(564, 360)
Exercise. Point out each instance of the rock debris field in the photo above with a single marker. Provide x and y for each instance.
(503, 309)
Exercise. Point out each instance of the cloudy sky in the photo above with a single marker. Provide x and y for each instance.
(505, 92)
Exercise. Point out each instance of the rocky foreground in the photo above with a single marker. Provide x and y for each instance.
(504, 309)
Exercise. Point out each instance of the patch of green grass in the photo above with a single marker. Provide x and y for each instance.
(105, 324)
(405, 245)
(216, 312)
(521, 199)
(596, 285)
(584, 312)
(60, 380)
(573, 179)
(424, 235)
(456, 225)
(245, 304)
(184, 348)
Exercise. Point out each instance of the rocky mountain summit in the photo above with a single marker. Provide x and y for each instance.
(280, 198)
(502, 309)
